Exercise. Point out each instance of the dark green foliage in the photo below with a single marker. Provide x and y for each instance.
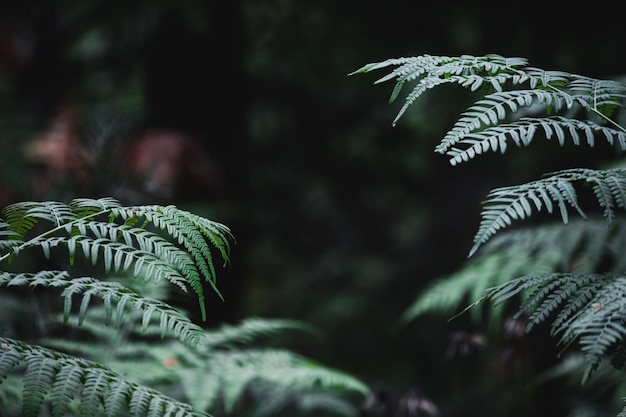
(144, 252)
(65, 376)
(570, 274)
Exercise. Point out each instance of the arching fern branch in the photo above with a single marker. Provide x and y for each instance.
(117, 243)
(553, 90)
(115, 299)
(493, 121)
(60, 377)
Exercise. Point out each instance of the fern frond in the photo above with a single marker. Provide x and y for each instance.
(23, 216)
(64, 388)
(431, 71)
(122, 246)
(284, 368)
(593, 310)
(192, 232)
(505, 204)
(580, 247)
(44, 369)
(219, 370)
(522, 132)
(114, 295)
(553, 90)
(496, 107)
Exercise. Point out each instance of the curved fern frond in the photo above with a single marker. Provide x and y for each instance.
(505, 204)
(122, 246)
(61, 377)
(553, 90)
(237, 369)
(189, 230)
(431, 71)
(521, 132)
(115, 299)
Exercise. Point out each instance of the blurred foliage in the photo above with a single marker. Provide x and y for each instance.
(340, 219)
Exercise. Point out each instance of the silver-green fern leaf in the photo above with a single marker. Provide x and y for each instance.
(580, 247)
(216, 374)
(118, 243)
(47, 373)
(115, 298)
(558, 280)
(588, 308)
(505, 204)
(493, 121)
(155, 243)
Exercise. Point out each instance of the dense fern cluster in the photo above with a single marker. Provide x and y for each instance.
(571, 274)
(137, 254)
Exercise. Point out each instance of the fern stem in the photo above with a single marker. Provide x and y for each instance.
(593, 109)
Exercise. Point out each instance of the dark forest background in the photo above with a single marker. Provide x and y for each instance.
(242, 111)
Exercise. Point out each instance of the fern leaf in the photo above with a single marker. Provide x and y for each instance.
(114, 244)
(461, 144)
(554, 90)
(503, 205)
(17, 221)
(279, 367)
(579, 247)
(173, 321)
(491, 110)
(43, 367)
(431, 71)
(191, 231)
(592, 309)
(87, 207)
(10, 358)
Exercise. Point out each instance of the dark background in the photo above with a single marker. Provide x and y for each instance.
(340, 218)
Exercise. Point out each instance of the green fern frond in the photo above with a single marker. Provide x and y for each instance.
(192, 232)
(505, 204)
(122, 246)
(522, 132)
(431, 71)
(45, 368)
(580, 246)
(64, 389)
(115, 298)
(592, 309)
(218, 371)
(553, 89)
